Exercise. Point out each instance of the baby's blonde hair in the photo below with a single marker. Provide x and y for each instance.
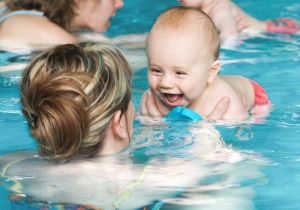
(189, 18)
(69, 95)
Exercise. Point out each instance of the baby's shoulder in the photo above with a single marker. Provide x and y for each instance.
(220, 88)
(212, 94)
(221, 85)
(226, 87)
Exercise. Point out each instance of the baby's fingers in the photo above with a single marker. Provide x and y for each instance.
(151, 105)
(241, 22)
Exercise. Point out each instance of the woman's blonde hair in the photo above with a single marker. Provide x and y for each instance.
(69, 95)
(60, 12)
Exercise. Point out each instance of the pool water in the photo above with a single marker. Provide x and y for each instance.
(262, 167)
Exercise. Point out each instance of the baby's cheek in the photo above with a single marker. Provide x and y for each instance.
(153, 82)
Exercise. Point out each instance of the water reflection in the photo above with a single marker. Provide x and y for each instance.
(190, 171)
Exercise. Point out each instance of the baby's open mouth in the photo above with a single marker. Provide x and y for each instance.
(174, 99)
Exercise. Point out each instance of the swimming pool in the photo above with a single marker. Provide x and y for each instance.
(267, 175)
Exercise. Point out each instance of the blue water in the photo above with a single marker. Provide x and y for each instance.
(271, 60)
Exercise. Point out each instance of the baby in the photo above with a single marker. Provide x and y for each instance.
(182, 48)
(226, 14)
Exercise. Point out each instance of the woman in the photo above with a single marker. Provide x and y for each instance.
(50, 22)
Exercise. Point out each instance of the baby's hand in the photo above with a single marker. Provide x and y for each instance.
(148, 111)
(148, 105)
(241, 23)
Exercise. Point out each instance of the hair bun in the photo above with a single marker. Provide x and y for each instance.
(61, 109)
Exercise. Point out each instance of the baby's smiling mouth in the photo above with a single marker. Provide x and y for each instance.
(173, 99)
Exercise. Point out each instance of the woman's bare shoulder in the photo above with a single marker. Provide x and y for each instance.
(34, 30)
(17, 156)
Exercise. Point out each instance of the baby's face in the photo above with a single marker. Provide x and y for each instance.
(191, 3)
(178, 67)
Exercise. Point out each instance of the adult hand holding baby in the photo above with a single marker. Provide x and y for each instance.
(151, 110)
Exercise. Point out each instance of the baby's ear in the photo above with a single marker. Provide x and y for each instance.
(213, 71)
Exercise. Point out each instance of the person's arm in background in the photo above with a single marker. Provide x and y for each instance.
(224, 20)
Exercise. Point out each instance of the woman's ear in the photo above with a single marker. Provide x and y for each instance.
(119, 126)
(213, 71)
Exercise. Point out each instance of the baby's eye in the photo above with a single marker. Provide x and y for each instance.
(180, 73)
(157, 71)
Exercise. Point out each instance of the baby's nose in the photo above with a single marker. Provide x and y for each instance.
(166, 82)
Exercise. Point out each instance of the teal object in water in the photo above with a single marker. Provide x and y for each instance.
(179, 113)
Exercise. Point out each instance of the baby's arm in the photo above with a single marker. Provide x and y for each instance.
(224, 19)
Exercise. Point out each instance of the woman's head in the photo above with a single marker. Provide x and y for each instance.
(95, 14)
(73, 14)
(71, 95)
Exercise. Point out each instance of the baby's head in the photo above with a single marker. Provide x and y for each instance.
(189, 22)
(70, 95)
(184, 44)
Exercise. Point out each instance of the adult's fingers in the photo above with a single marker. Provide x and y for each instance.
(220, 109)
(143, 110)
